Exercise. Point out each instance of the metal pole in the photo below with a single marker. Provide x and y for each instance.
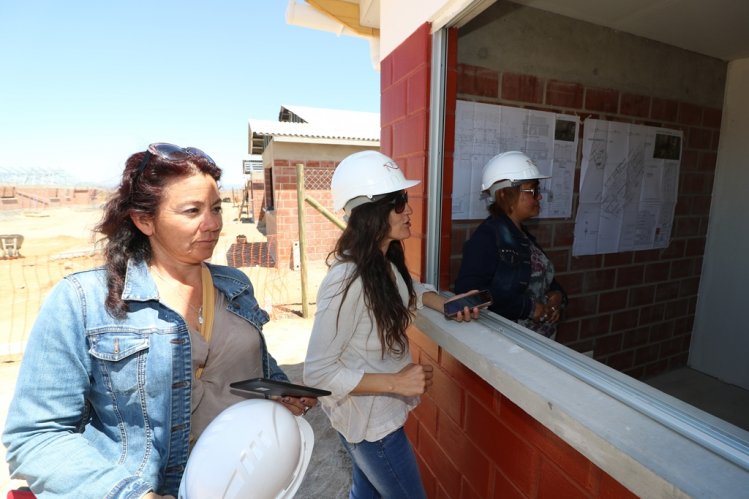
(302, 236)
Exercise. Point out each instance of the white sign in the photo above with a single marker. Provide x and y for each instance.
(628, 187)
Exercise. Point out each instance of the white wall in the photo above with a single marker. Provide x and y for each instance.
(720, 340)
(400, 18)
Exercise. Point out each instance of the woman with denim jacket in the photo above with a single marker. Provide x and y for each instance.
(502, 256)
(126, 364)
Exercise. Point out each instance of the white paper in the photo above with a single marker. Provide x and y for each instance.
(628, 187)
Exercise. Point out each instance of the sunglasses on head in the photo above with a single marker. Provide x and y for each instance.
(170, 152)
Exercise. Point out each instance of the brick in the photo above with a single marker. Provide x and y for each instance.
(664, 110)
(647, 354)
(523, 88)
(585, 262)
(595, 326)
(465, 455)
(599, 280)
(688, 287)
(447, 394)
(504, 489)
(695, 247)
(667, 291)
(416, 97)
(554, 484)
(700, 138)
(572, 283)
(686, 227)
(416, 337)
(611, 489)
(564, 234)
(711, 117)
(568, 332)
(620, 361)
(661, 331)
(410, 135)
(707, 161)
(611, 301)
(635, 105)
(606, 345)
(635, 337)
(676, 308)
(602, 100)
(580, 306)
(467, 379)
(426, 412)
(655, 272)
(616, 259)
(444, 470)
(478, 81)
(559, 258)
(689, 114)
(624, 320)
(650, 314)
(630, 276)
(412, 53)
(564, 94)
(393, 103)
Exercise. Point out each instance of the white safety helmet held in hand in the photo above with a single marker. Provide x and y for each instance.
(255, 448)
(363, 175)
(507, 170)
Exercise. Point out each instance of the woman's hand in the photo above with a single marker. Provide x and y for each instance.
(437, 302)
(154, 495)
(412, 380)
(297, 405)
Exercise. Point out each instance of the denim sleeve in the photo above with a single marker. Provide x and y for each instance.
(482, 268)
(276, 372)
(479, 261)
(48, 411)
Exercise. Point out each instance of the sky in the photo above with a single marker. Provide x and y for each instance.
(84, 83)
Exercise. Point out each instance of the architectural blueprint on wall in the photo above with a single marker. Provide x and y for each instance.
(485, 130)
(628, 187)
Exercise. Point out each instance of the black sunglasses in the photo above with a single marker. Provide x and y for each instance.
(170, 152)
(398, 200)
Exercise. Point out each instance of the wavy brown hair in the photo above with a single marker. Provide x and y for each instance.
(360, 244)
(141, 191)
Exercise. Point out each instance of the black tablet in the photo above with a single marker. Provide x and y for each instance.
(270, 388)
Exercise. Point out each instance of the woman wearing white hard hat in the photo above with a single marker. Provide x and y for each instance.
(358, 348)
(504, 257)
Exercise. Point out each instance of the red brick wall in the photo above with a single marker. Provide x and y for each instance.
(404, 113)
(320, 233)
(634, 309)
(472, 442)
(469, 439)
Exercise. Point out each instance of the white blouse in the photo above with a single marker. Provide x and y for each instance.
(344, 345)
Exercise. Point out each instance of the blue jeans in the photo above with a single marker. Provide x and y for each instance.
(386, 468)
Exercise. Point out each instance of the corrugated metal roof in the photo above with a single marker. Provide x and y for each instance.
(322, 123)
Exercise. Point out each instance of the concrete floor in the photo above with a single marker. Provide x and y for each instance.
(728, 402)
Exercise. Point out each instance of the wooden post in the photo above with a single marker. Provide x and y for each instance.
(300, 195)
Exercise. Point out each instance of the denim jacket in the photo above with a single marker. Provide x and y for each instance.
(497, 257)
(102, 406)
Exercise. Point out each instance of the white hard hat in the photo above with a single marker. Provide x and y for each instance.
(254, 448)
(508, 169)
(363, 175)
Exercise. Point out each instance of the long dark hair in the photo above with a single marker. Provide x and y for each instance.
(141, 191)
(360, 244)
